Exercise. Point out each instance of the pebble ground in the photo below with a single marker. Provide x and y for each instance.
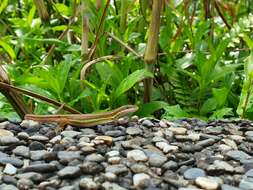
(186, 154)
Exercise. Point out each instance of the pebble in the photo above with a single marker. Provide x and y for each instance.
(207, 183)
(10, 160)
(88, 183)
(143, 154)
(193, 173)
(116, 169)
(10, 169)
(91, 167)
(165, 147)
(157, 160)
(22, 151)
(178, 130)
(106, 139)
(4, 133)
(133, 131)
(70, 134)
(8, 140)
(69, 172)
(238, 155)
(137, 155)
(141, 180)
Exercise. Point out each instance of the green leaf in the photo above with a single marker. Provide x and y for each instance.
(149, 108)
(131, 80)
(31, 15)
(219, 114)
(174, 112)
(3, 5)
(8, 49)
(63, 9)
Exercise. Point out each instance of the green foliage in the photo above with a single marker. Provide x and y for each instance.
(199, 70)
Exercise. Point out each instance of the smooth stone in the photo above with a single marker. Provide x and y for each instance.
(37, 154)
(4, 133)
(70, 134)
(56, 139)
(193, 173)
(115, 133)
(220, 165)
(133, 131)
(166, 148)
(114, 160)
(35, 145)
(24, 184)
(3, 155)
(249, 133)
(70, 187)
(23, 135)
(9, 179)
(87, 131)
(36, 177)
(178, 130)
(8, 187)
(40, 168)
(116, 169)
(163, 124)
(139, 168)
(237, 138)
(224, 148)
(237, 155)
(141, 180)
(91, 167)
(29, 124)
(69, 172)
(106, 139)
(147, 123)
(249, 173)
(88, 150)
(88, 183)
(113, 153)
(11, 160)
(228, 187)
(95, 157)
(68, 155)
(39, 138)
(10, 169)
(110, 176)
(204, 143)
(137, 155)
(22, 151)
(157, 160)
(170, 165)
(207, 183)
(230, 143)
(246, 184)
(8, 140)
(112, 186)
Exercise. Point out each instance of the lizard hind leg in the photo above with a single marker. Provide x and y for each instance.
(60, 127)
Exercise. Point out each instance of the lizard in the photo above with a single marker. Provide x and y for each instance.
(84, 120)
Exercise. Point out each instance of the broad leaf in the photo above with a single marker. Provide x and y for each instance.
(131, 80)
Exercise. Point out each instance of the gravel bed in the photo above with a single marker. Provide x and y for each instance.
(186, 154)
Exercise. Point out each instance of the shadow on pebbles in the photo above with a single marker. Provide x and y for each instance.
(186, 154)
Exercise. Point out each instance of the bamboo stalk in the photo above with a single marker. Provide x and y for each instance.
(150, 57)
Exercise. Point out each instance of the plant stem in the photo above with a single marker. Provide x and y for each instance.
(150, 57)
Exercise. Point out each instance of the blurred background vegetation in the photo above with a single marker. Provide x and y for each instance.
(172, 58)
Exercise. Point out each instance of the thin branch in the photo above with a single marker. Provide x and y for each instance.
(124, 44)
(221, 14)
(94, 46)
(90, 63)
(71, 21)
(37, 96)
